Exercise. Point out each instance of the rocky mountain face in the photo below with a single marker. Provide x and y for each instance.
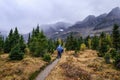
(56, 28)
(92, 24)
(110, 19)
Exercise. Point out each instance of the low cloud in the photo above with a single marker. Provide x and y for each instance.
(26, 14)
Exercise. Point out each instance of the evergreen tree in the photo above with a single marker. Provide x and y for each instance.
(109, 40)
(104, 47)
(116, 37)
(70, 43)
(1, 43)
(7, 46)
(51, 46)
(37, 30)
(9, 42)
(29, 38)
(16, 53)
(86, 40)
(16, 37)
(38, 43)
(56, 42)
(33, 33)
(22, 44)
(95, 43)
(73, 43)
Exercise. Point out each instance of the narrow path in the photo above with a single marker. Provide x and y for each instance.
(47, 70)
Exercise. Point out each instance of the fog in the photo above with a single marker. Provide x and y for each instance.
(26, 14)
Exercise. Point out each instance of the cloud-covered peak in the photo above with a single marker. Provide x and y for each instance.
(26, 14)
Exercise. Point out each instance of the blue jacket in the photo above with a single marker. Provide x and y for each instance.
(60, 49)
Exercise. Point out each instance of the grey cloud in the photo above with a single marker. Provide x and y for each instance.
(26, 14)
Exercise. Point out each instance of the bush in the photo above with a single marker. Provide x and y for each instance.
(107, 58)
(16, 53)
(103, 50)
(47, 57)
(117, 61)
(113, 53)
(27, 51)
(82, 47)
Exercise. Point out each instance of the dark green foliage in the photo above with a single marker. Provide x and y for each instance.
(9, 42)
(107, 58)
(29, 37)
(12, 40)
(73, 43)
(104, 47)
(95, 43)
(1, 43)
(86, 40)
(56, 42)
(70, 43)
(116, 37)
(15, 38)
(51, 46)
(117, 61)
(16, 53)
(113, 53)
(22, 44)
(6, 46)
(38, 43)
(47, 57)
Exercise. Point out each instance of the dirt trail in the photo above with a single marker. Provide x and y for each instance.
(47, 70)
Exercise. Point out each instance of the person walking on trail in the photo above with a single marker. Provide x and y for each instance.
(60, 50)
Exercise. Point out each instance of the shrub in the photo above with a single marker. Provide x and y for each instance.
(113, 53)
(27, 51)
(117, 61)
(47, 57)
(16, 53)
(107, 58)
(82, 47)
(103, 50)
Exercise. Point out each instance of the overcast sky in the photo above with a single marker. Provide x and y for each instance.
(26, 14)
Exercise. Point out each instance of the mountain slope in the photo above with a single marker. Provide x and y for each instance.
(91, 24)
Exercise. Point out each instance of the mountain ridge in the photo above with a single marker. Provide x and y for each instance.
(93, 24)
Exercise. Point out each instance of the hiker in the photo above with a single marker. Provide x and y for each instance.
(60, 50)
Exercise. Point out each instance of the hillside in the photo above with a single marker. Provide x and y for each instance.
(85, 66)
(20, 70)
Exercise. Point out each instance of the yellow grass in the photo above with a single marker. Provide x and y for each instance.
(18, 70)
(87, 63)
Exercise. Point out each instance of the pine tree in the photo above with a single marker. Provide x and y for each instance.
(86, 40)
(29, 38)
(51, 46)
(95, 43)
(56, 42)
(8, 45)
(38, 43)
(104, 47)
(1, 43)
(16, 37)
(16, 53)
(22, 44)
(116, 37)
(70, 42)
(37, 30)
(109, 40)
